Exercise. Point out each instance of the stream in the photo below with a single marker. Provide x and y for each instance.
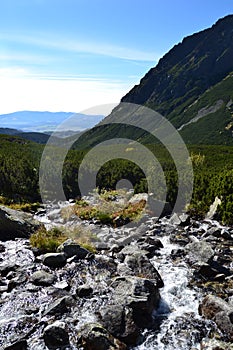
(22, 308)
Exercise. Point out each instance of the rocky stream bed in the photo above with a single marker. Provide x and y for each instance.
(164, 285)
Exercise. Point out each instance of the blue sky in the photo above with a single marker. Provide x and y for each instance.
(69, 55)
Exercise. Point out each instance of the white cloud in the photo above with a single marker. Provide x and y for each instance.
(84, 46)
(21, 91)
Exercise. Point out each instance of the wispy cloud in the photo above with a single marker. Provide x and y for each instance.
(26, 58)
(83, 46)
(25, 73)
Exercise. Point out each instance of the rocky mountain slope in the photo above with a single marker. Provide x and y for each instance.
(192, 86)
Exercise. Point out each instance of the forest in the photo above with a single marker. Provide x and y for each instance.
(212, 168)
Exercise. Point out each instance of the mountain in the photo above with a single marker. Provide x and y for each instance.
(192, 86)
(31, 121)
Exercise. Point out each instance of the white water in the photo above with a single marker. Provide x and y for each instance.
(177, 297)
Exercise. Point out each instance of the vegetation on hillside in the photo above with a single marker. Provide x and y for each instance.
(213, 176)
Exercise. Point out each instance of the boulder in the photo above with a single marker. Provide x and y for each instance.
(42, 278)
(132, 303)
(16, 224)
(199, 251)
(94, 336)
(54, 260)
(55, 336)
(138, 197)
(137, 263)
(212, 271)
(219, 311)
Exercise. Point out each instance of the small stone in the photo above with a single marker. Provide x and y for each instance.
(70, 249)
(84, 291)
(42, 278)
(62, 285)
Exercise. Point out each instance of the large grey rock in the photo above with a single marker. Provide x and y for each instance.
(132, 304)
(16, 224)
(54, 260)
(219, 311)
(55, 336)
(94, 336)
(42, 278)
(137, 263)
(199, 251)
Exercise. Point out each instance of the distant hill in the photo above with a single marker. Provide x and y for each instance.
(37, 137)
(9, 131)
(192, 86)
(31, 121)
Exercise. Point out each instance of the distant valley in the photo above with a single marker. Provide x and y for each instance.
(38, 126)
(46, 121)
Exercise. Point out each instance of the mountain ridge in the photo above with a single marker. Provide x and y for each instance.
(186, 84)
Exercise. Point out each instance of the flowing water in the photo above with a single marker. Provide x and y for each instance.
(178, 301)
(181, 328)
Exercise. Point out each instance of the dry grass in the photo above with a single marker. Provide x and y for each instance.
(49, 240)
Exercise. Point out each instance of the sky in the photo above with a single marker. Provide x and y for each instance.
(71, 55)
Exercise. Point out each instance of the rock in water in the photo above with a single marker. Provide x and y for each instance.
(16, 224)
(218, 310)
(54, 260)
(55, 336)
(132, 304)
